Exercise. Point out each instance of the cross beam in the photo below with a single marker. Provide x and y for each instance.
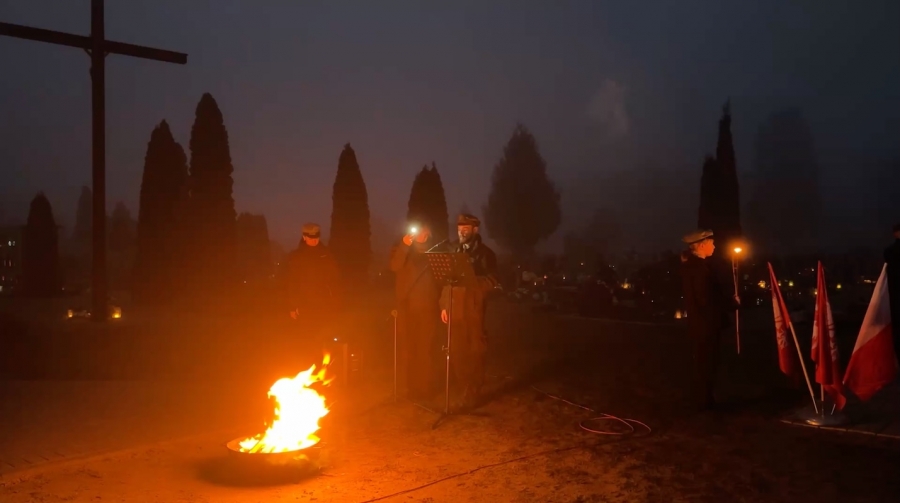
(87, 43)
(98, 47)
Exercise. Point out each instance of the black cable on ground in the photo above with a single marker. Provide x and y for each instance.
(630, 423)
(483, 467)
(602, 417)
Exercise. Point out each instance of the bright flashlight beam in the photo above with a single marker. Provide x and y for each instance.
(738, 249)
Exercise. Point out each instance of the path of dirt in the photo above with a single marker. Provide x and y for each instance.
(739, 454)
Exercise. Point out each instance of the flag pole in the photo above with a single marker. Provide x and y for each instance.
(812, 394)
(737, 324)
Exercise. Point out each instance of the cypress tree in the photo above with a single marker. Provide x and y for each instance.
(427, 203)
(350, 239)
(439, 218)
(81, 233)
(254, 253)
(417, 207)
(523, 204)
(786, 205)
(212, 236)
(719, 208)
(160, 227)
(121, 242)
(40, 250)
(121, 229)
(708, 210)
(730, 200)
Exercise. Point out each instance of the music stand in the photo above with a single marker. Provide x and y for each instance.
(451, 270)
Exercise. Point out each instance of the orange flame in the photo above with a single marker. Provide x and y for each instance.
(297, 412)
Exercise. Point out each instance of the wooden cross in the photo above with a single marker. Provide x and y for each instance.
(97, 47)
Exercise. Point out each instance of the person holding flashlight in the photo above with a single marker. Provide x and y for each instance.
(417, 313)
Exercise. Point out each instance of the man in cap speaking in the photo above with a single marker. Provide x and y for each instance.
(469, 340)
(707, 303)
(313, 282)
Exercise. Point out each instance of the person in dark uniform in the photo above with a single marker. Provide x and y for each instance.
(707, 303)
(469, 340)
(313, 283)
(417, 314)
(892, 258)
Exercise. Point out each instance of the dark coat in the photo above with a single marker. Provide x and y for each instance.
(472, 299)
(414, 281)
(469, 343)
(417, 318)
(706, 299)
(313, 279)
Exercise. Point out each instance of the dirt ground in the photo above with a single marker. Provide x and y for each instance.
(523, 446)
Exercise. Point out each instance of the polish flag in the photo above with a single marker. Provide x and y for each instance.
(873, 363)
(824, 347)
(787, 353)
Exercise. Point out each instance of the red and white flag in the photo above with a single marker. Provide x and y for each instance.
(824, 347)
(787, 353)
(873, 363)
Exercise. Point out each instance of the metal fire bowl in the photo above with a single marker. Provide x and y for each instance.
(300, 458)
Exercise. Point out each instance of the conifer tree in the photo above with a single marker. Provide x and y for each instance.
(81, 233)
(161, 220)
(730, 199)
(212, 213)
(719, 208)
(40, 250)
(417, 207)
(523, 205)
(83, 224)
(350, 236)
(254, 253)
(709, 183)
(785, 207)
(121, 229)
(439, 217)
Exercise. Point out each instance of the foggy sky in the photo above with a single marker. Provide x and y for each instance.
(628, 91)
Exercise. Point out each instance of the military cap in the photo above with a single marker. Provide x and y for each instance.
(311, 230)
(466, 219)
(697, 236)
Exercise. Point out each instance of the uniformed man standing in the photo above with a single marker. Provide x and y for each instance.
(707, 303)
(417, 314)
(892, 259)
(313, 283)
(469, 340)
